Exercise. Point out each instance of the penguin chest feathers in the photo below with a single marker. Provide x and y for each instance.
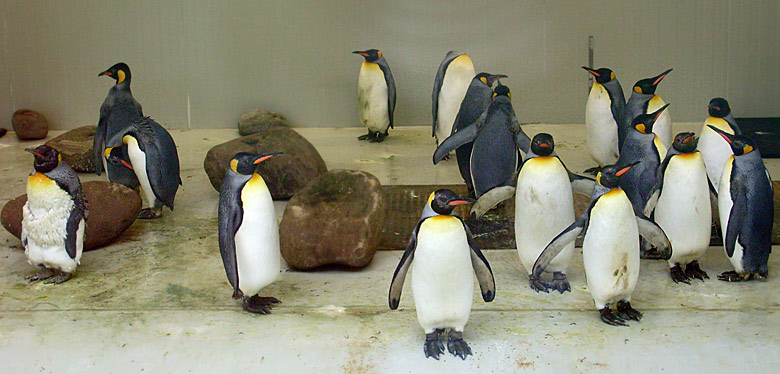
(373, 97)
(45, 215)
(43, 194)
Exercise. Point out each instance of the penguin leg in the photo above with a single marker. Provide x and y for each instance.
(378, 137)
(151, 213)
(625, 311)
(433, 345)
(611, 318)
(259, 304)
(457, 346)
(693, 270)
(368, 136)
(59, 278)
(537, 284)
(44, 273)
(560, 283)
(678, 275)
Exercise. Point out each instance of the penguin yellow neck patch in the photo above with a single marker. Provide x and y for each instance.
(120, 76)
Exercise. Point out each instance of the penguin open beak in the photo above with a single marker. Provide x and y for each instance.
(725, 135)
(34, 152)
(626, 169)
(266, 156)
(660, 77)
(688, 139)
(460, 201)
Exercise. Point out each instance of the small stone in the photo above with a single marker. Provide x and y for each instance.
(284, 174)
(336, 219)
(29, 125)
(75, 146)
(112, 209)
(256, 120)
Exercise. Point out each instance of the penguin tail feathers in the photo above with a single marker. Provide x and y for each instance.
(491, 199)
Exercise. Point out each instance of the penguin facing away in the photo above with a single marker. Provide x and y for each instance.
(603, 112)
(745, 203)
(643, 100)
(376, 95)
(153, 158)
(714, 149)
(53, 218)
(610, 248)
(118, 110)
(449, 89)
(248, 232)
(443, 256)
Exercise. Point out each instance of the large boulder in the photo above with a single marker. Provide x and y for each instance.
(29, 124)
(336, 219)
(285, 174)
(112, 209)
(75, 146)
(256, 120)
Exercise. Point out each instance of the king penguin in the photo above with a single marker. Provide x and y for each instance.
(610, 248)
(53, 218)
(643, 100)
(153, 158)
(444, 253)
(746, 207)
(714, 149)
(683, 207)
(605, 106)
(376, 95)
(248, 232)
(544, 206)
(119, 109)
(449, 89)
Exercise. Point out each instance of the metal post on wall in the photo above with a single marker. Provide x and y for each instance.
(590, 62)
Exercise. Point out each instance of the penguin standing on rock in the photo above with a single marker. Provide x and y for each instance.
(452, 82)
(444, 253)
(605, 106)
(643, 100)
(610, 249)
(248, 232)
(745, 203)
(376, 95)
(714, 149)
(53, 218)
(153, 158)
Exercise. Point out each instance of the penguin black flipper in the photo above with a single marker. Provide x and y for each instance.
(522, 141)
(162, 159)
(566, 236)
(67, 180)
(738, 213)
(579, 183)
(72, 226)
(655, 191)
(98, 143)
(437, 83)
(487, 283)
(397, 284)
(231, 215)
(456, 140)
(655, 235)
(390, 87)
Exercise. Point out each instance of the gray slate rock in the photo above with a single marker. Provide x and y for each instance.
(75, 146)
(29, 124)
(256, 120)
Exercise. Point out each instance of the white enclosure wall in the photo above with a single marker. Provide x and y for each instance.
(199, 63)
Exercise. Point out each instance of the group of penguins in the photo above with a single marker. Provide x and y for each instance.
(646, 200)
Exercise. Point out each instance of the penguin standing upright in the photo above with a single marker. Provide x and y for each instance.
(376, 95)
(449, 88)
(119, 109)
(544, 205)
(714, 149)
(683, 207)
(153, 158)
(610, 248)
(605, 106)
(444, 254)
(643, 100)
(53, 218)
(746, 206)
(248, 232)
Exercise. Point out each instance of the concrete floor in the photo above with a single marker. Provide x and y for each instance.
(158, 299)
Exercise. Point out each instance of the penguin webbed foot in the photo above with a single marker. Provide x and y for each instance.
(259, 304)
(537, 284)
(626, 312)
(560, 283)
(59, 278)
(457, 346)
(593, 171)
(150, 213)
(610, 318)
(651, 254)
(433, 345)
(733, 276)
(678, 275)
(44, 273)
(366, 136)
(378, 137)
(693, 271)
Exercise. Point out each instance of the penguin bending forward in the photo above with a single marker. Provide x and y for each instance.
(248, 232)
(610, 249)
(443, 253)
(643, 100)
(376, 95)
(449, 89)
(603, 112)
(53, 218)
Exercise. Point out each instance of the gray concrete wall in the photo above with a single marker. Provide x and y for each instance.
(199, 63)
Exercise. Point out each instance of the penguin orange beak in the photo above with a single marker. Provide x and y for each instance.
(688, 139)
(659, 111)
(591, 71)
(105, 73)
(721, 133)
(460, 202)
(362, 53)
(659, 78)
(126, 164)
(544, 145)
(34, 152)
(266, 156)
(626, 169)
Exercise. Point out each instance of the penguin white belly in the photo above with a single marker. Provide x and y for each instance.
(610, 249)
(683, 210)
(453, 89)
(257, 239)
(714, 149)
(44, 223)
(600, 127)
(138, 160)
(663, 125)
(544, 207)
(372, 98)
(442, 280)
(724, 210)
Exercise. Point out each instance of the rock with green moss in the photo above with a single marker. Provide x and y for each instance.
(336, 219)
(256, 120)
(75, 146)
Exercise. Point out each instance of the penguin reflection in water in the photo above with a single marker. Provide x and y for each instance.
(248, 232)
(54, 217)
(444, 254)
(610, 249)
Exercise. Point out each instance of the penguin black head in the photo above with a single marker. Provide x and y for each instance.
(542, 144)
(370, 55)
(114, 157)
(246, 163)
(719, 107)
(501, 90)
(609, 176)
(685, 142)
(740, 144)
(444, 201)
(46, 158)
(120, 72)
(603, 75)
(488, 79)
(647, 86)
(644, 122)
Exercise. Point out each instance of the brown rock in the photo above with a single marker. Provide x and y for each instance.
(112, 209)
(29, 124)
(75, 146)
(256, 120)
(283, 174)
(336, 219)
